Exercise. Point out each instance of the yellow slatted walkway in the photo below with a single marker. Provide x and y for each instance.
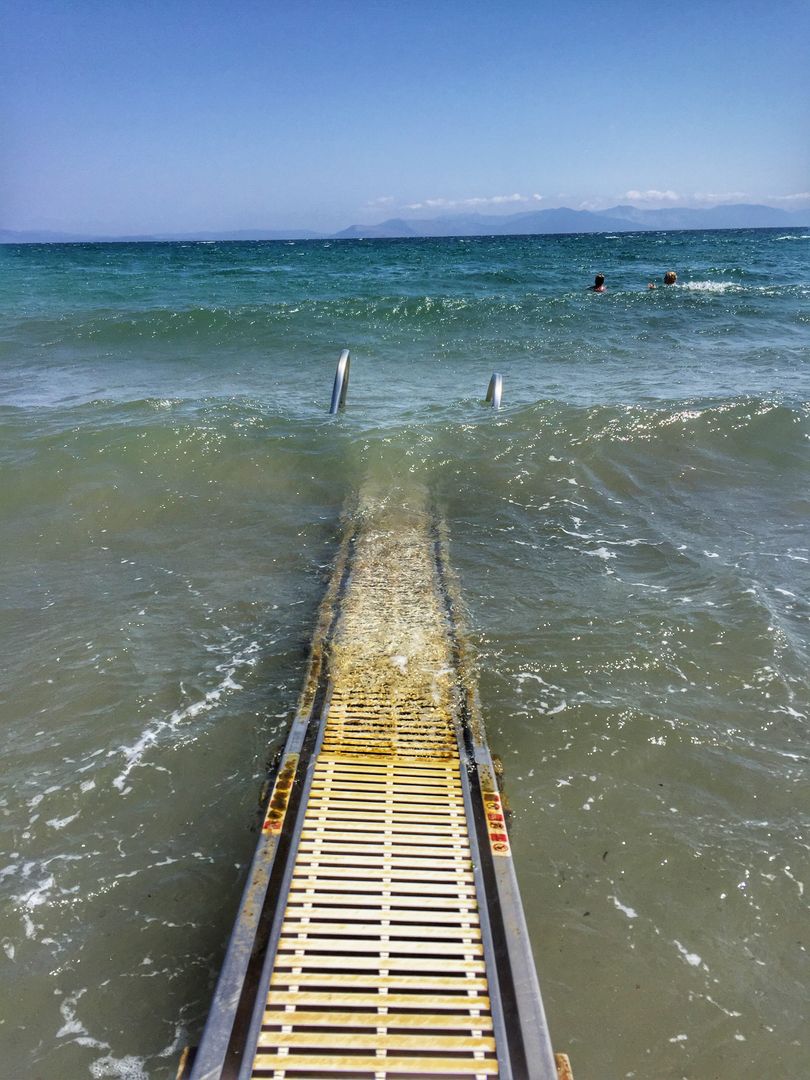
(380, 960)
(379, 970)
(381, 934)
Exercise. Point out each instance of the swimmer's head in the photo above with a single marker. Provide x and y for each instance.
(670, 277)
(599, 280)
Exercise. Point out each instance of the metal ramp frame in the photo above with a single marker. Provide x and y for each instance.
(381, 933)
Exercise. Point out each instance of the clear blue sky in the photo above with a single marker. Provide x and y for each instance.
(170, 115)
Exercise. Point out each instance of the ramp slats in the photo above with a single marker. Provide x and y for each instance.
(363, 1000)
(395, 966)
(383, 845)
(405, 1021)
(371, 900)
(360, 950)
(366, 956)
(374, 1040)
(419, 984)
(367, 1067)
(379, 968)
(397, 932)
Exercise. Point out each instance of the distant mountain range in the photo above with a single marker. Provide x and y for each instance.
(564, 220)
(561, 220)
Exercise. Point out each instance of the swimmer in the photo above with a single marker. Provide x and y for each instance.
(598, 284)
(670, 278)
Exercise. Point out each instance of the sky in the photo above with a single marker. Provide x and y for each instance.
(139, 116)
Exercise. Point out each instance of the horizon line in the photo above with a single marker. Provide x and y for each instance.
(355, 231)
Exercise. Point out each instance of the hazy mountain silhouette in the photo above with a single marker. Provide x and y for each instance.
(560, 220)
(565, 220)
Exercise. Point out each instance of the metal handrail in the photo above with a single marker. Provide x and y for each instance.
(495, 390)
(341, 382)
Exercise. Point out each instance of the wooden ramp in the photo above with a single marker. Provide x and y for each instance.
(381, 934)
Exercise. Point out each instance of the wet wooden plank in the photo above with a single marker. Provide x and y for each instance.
(372, 1040)
(325, 961)
(316, 1066)
(366, 946)
(425, 983)
(375, 930)
(335, 1018)
(363, 998)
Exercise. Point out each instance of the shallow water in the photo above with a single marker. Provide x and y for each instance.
(630, 531)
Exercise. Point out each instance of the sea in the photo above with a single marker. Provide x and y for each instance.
(630, 534)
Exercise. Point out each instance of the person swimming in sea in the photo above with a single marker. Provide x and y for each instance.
(598, 284)
(670, 278)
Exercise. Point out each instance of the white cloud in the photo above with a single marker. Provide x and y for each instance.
(474, 201)
(382, 200)
(724, 197)
(800, 196)
(652, 196)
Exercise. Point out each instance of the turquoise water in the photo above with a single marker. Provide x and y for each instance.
(631, 535)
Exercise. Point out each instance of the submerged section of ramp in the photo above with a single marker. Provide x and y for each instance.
(381, 933)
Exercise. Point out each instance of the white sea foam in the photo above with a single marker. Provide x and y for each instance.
(126, 1068)
(35, 800)
(628, 911)
(72, 1025)
(28, 902)
(734, 1013)
(601, 553)
(691, 958)
(523, 675)
(799, 884)
(10, 870)
(791, 712)
(60, 823)
(134, 753)
(711, 286)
